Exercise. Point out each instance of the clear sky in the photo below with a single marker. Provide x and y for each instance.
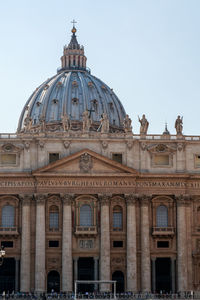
(148, 51)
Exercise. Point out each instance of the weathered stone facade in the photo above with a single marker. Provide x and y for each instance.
(99, 203)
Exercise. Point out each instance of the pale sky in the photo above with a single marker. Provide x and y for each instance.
(148, 51)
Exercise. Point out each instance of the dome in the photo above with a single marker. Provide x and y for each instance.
(72, 96)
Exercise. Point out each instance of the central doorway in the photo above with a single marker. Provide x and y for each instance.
(163, 275)
(85, 272)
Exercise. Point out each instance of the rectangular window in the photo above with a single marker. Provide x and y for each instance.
(7, 244)
(53, 244)
(117, 244)
(53, 157)
(163, 244)
(117, 157)
(197, 160)
(8, 159)
(161, 160)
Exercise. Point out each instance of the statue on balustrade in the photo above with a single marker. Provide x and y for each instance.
(127, 124)
(179, 125)
(65, 122)
(86, 121)
(144, 124)
(104, 126)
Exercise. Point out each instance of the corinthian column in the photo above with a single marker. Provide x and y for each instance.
(145, 248)
(105, 242)
(40, 244)
(131, 256)
(182, 243)
(25, 244)
(67, 243)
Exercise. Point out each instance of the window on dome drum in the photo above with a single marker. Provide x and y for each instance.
(8, 216)
(7, 244)
(162, 216)
(53, 218)
(86, 215)
(8, 159)
(197, 161)
(117, 218)
(117, 157)
(161, 160)
(53, 157)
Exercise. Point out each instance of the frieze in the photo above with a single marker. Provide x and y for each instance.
(98, 183)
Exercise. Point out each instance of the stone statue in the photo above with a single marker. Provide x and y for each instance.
(104, 126)
(28, 124)
(144, 125)
(86, 121)
(42, 124)
(65, 122)
(179, 125)
(127, 124)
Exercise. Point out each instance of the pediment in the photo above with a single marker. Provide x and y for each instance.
(85, 162)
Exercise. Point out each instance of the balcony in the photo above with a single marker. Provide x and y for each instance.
(163, 231)
(9, 231)
(86, 230)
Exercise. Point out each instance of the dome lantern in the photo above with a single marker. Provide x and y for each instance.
(73, 54)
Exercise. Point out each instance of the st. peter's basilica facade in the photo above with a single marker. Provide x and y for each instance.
(82, 197)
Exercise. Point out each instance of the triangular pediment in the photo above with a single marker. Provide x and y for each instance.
(85, 162)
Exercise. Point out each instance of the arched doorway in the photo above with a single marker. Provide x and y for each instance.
(119, 277)
(7, 275)
(53, 282)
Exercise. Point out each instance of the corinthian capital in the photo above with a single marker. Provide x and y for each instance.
(131, 199)
(104, 199)
(144, 200)
(40, 198)
(26, 199)
(67, 199)
(183, 200)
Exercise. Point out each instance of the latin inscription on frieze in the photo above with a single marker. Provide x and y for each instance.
(98, 183)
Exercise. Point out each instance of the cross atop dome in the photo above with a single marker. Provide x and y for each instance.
(74, 28)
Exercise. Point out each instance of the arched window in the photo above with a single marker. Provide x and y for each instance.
(8, 216)
(53, 217)
(117, 218)
(86, 215)
(162, 216)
